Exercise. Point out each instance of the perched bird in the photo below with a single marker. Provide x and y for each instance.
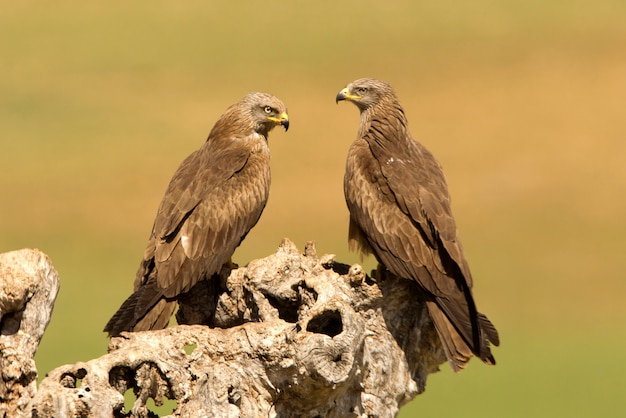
(400, 211)
(214, 198)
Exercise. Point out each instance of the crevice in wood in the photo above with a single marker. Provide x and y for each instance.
(289, 335)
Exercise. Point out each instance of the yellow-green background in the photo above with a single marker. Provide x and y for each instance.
(523, 102)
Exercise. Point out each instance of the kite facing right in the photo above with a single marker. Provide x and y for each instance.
(214, 198)
(400, 211)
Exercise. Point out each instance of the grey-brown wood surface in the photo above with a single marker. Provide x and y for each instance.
(290, 335)
(28, 288)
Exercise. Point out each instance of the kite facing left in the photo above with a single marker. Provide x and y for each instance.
(400, 211)
(214, 198)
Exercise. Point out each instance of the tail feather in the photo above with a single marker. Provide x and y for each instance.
(489, 329)
(158, 317)
(145, 309)
(456, 348)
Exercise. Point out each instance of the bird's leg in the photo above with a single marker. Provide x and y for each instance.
(231, 265)
(224, 272)
(381, 273)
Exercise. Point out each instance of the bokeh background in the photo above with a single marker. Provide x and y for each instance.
(523, 102)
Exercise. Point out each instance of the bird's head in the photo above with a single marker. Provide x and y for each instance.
(266, 111)
(365, 93)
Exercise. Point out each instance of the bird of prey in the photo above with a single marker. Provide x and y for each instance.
(399, 206)
(214, 198)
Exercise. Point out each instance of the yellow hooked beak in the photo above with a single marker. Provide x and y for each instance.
(345, 95)
(283, 120)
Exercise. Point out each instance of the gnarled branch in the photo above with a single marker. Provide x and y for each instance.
(28, 288)
(290, 335)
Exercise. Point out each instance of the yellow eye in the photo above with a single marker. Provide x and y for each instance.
(361, 90)
(267, 109)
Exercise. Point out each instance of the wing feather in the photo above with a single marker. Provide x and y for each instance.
(397, 196)
(389, 231)
(215, 197)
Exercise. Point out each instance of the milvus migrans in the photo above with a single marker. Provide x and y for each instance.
(214, 198)
(400, 211)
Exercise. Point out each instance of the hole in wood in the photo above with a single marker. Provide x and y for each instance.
(189, 348)
(161, 407)
(327, 322)
(73, 380)
(287, 309)
(121, 378)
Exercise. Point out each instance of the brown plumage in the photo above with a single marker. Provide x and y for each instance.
(214, 198)
(400, 211)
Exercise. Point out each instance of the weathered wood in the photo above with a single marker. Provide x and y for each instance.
(290, 335)
(28, 288)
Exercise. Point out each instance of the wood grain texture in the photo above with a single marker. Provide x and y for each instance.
(295, 335)
(28, 288)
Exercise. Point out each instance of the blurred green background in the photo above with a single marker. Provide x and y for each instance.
(523, 102)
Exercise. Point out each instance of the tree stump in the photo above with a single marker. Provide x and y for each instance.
(290, 335)
(28, 288)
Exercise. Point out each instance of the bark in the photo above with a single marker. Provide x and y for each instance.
(290, 335)
(28, 288)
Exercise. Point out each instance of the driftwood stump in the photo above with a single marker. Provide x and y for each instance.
(290, 335)
(28, 288)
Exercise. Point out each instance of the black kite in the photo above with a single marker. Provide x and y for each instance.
(400, 211)
(214, 198)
